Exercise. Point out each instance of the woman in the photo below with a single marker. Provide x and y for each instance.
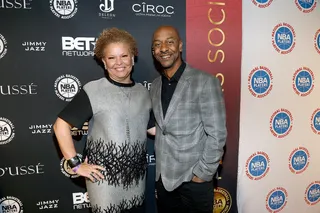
(118, 112)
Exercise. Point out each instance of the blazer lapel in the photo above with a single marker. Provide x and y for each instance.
(157, 108)
(183, 84)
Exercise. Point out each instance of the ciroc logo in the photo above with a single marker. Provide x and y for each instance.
(299, 160)
(145, 9)
(281, 123)
(260, 82)
(66, 170)
(6, 131)
(283, 38)
(3, 46)
(316, 41)
(10, 204)
(315, 121)
(80, 200)
(303, 81)
(276, 199)
(306, 6)
(106, 7)
(66, 87)
(222, 200)
(262, 3)
(257, 166)
(64, 9)
(312, 193)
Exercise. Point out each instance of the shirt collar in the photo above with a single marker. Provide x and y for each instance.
(177, 74)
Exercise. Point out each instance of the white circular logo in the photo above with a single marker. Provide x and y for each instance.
(3, 46)
(10, 204)
(6, 131)
(66, 170)
(64, 9)
(66, 87)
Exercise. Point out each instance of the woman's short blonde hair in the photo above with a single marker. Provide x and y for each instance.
(114, 35)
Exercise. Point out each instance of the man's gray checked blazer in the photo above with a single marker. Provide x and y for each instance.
(190, 139)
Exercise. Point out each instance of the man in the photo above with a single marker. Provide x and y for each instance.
(190, 122)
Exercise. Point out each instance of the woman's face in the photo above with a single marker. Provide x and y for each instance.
(118, 61)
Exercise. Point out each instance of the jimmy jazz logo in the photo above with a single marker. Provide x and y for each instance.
(34, 46)
(105, 7)
(22, 170)
(40, 128)
(23, 89)
(50, 204)
(15, 4)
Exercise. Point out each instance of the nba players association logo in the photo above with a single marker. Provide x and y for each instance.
(64, 9)
(6, 131)
(283, 38)
(276, 199)
(3, 46)
(262, 3)
(10, 204)
(299, 160)
(312, 193)
(257, 165)
(306, 6)
(303, 81)
(315, 121)
(66, 87)
(316, 41)
(260, 82)
(281, 123)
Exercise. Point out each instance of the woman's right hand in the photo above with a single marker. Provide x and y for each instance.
(90, 171)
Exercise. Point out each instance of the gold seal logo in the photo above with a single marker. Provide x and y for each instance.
(222, 201)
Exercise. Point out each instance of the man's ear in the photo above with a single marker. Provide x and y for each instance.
(180, 46)
(132, 60)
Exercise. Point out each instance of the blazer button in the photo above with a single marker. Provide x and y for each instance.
(164, 132)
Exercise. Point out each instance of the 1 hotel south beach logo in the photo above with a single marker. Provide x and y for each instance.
(64, 9)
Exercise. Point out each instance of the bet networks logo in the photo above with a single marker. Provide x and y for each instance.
(147, 9)
(81, 200)
(78, 46)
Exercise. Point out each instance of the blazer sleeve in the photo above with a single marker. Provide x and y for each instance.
(213, 115)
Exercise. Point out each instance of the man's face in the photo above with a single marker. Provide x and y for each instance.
(167, 47)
